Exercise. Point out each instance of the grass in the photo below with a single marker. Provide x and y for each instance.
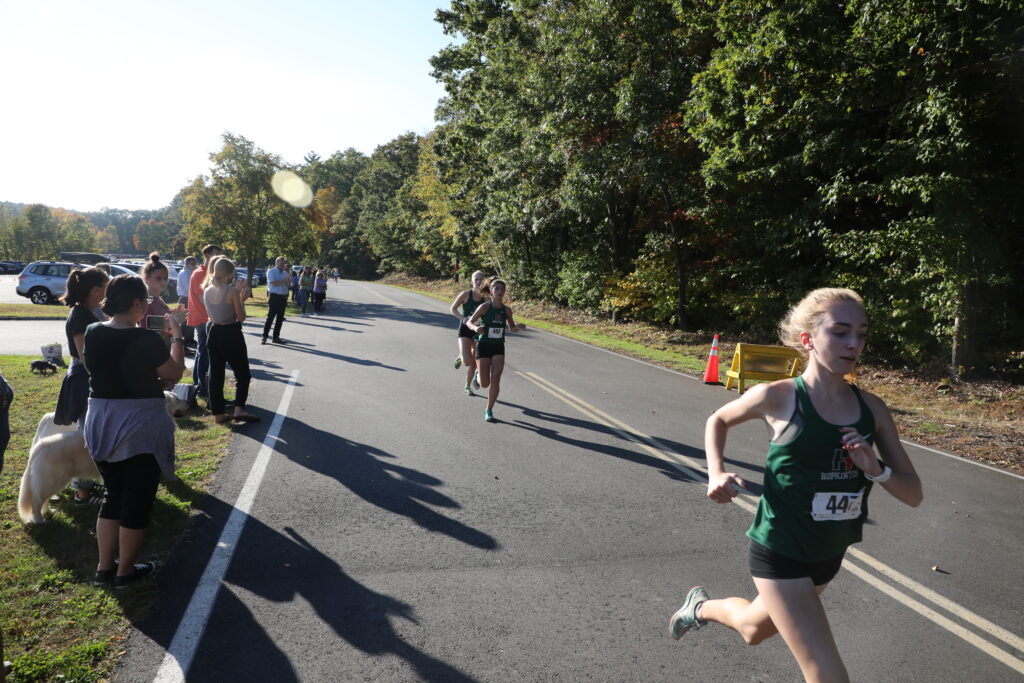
(979, 420)
(56, 626)
(256, 305)
(52, 312)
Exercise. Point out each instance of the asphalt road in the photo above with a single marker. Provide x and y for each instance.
(397, 536)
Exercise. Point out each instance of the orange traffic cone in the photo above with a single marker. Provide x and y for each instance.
(711, 372)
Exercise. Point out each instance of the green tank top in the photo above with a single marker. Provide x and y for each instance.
(815, 499)
(469, 306)
(494, 321)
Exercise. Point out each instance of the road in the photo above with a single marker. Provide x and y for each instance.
(388, 533)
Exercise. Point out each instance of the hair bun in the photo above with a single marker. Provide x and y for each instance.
(154, 257)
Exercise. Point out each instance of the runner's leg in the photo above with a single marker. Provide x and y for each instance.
(497, 365)
(794, 606)
(484, 364)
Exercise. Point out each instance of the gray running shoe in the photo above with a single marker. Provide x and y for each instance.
(685, 618)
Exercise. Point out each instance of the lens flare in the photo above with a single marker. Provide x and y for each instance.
(291, 188)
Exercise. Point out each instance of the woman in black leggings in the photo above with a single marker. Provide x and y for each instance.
(225, 303)
(127, 429)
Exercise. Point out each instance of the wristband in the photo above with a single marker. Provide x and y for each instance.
(882, 476)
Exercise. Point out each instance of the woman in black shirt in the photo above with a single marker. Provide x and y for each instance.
(127, 429)
(84, 291)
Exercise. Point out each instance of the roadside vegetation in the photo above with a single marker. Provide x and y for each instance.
(56, 625)
(980, 420)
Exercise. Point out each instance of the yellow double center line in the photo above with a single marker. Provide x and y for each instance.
(696, 471)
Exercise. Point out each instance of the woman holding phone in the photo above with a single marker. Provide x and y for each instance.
(225, 303)
(155, 275)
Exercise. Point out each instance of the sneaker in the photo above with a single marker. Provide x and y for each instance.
(95, 496)
(488, 416)
(685, 618)
(104, 576)
(469, 392)
(458, 362)
(263, 341)
(142, 570)
(278, 340)
(476, 382)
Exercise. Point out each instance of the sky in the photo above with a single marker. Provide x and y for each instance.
(119, 104)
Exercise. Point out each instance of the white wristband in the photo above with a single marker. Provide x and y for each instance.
(882, 476)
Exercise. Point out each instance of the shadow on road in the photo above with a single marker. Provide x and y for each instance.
(280, 568)
(377, 478)
(593, 446)
(362, 311)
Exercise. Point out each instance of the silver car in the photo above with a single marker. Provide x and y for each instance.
(44, 281)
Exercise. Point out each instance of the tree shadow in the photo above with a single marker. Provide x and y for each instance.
(309, 348)
(364, 311)
(377, 478)
(279, 568)
(700, 454)
(592, 446)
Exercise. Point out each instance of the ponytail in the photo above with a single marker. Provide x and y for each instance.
(154, 264)
(80, 282)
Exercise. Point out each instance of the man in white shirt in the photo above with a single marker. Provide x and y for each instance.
(278, 280)
(183, 281)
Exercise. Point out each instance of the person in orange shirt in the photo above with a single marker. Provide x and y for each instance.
(198, 317)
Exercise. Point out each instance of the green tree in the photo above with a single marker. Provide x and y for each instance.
(236, 206)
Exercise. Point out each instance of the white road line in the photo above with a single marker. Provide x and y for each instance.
(748, 503)
(390, 300)
(179, 655)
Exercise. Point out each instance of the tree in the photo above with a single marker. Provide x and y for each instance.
(236, 206)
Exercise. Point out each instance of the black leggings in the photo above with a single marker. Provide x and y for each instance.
(131, 489)
(226, 344)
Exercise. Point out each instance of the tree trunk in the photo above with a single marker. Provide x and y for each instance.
(680, 261)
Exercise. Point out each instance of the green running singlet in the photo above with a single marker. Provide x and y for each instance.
(815, 499)
(495, 320)
(469, 306)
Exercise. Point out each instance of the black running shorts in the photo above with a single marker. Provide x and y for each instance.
(490, 350)
(765, 563)
(465, 331)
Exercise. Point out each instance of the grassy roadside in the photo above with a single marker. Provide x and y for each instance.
(983, 421)
(56, 626)
(257, 304)
(14, 311)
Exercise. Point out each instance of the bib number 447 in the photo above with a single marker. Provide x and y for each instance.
(829, 506)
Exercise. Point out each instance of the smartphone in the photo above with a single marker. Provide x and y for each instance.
(156, 322)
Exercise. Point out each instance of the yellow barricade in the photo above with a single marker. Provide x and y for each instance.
(757, 362)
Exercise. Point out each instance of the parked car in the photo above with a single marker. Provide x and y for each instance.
(258, 273)
(172, 275)
(7, 267)
(44, 281)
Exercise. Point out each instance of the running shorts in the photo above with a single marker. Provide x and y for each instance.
(465, 331)
(490, 350)
(765, 563)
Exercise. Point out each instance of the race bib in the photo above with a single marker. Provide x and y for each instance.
(495, 332)
(836, 506)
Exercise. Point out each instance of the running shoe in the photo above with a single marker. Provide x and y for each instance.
(104, 576)
(458, 362)
(685, 618)
(476, 382)
(141, 571)
(469, 392)
(488, 416)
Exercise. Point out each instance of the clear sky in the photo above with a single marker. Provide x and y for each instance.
(118, 104)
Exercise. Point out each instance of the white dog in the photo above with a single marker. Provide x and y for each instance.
(57, 456)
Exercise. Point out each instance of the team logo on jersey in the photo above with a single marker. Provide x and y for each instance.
(841, 461)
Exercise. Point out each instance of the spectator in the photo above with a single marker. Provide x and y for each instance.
(294, 280)
(319, 292)
(277, 295)
(305, 288)
(187, 331)
(82, 294)
(127, 429)
(225, 304)
(155, 274)
(197, 318)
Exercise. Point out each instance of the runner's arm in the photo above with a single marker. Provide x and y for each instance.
(512, 327)
(753, 404)
(459, 300)
(480, 310)
(904, 484)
